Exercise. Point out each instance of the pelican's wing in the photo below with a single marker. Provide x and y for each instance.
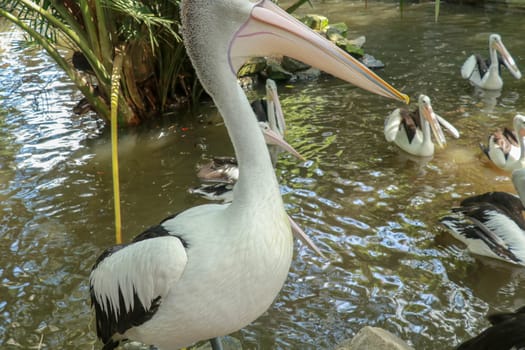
(129, 282)
(494, 219)
(219, 169)
(470, 65)
(392, 125)
(214, 192)
(498, 149)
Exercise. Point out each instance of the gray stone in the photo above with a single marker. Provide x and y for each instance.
(374, 338)
(339, 27)
(253, 66)
(349, 47)
(334, 36)
(372, 62)
(315, 22)
(309, 74)
(293, 65)
(359, 41)
(275, 72)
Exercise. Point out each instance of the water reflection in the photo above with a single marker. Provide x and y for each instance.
(370, 208)
(488, 98)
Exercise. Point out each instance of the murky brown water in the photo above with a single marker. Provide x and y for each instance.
(372, 210)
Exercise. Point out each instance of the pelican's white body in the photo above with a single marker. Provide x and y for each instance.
(491, 80)
(515, 158)
(219, 295)
(504, 231)
(420, 145)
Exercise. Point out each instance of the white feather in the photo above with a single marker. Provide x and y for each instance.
(469, 67)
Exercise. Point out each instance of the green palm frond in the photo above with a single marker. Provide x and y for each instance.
(298, 4)
(136, 15)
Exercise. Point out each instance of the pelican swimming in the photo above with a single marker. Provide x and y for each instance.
(486, 74)
(492, 224)
(505, 333)
(215, 268)
(411, 131)
(506, 148)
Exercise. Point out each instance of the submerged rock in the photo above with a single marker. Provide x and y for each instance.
(276, 72)
(293, 65)
(253, 66)
(374, 338)
(339, 27)
(371, 62)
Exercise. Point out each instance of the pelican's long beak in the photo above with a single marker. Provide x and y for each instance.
(274, 138)
(507, 59)
(449, 127)
(275, 111)
(271, 31)
(299, 233)
(432, 119)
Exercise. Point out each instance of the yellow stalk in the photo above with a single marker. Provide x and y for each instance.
(115, 88)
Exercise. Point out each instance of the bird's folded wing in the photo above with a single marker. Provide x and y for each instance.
(129, 282)
(468, 67)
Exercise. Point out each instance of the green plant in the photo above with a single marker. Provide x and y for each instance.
(154, 60)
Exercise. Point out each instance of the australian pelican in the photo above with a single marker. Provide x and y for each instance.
(411, 131)
(492, 224)
(505, 333)
(486, 74)
(213, 269)
(506, 148)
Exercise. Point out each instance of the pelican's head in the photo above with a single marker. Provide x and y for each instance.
(495, 43)
(272, 137)
(275, 112)
(519, 124)
(241, 29)
(435, 121)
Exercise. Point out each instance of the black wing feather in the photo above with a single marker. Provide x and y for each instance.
(507, 332)
(110, 324)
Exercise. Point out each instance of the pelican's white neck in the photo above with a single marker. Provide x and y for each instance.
(518, 129)
(207, 48)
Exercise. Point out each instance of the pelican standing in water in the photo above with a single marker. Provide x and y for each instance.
(213, 269)
(411, 131)
(486, 74)
(492, 224)
(506, 148)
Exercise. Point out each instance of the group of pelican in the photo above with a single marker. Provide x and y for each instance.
(211, 270)
(490, 224)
